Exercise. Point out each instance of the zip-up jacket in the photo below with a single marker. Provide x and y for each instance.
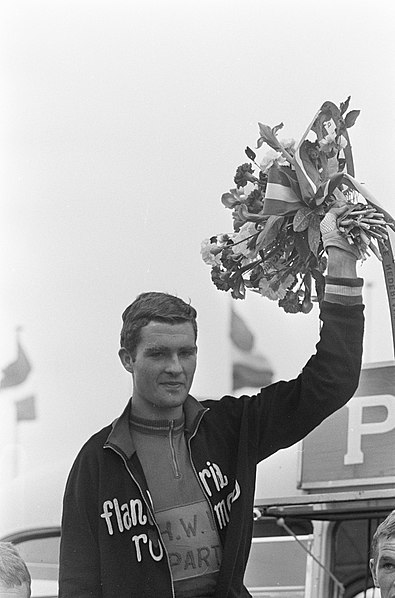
(111, 545)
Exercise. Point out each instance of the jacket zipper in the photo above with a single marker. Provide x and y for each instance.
(151, 512)
(197, 476)
(176, 468)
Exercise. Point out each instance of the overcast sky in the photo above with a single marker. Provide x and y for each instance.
(122, 123)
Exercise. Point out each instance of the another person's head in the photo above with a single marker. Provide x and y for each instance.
(158, 347)
(15, 580)
(382, 563)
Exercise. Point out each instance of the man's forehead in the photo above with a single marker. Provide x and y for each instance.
(386, 546)
(161, 333)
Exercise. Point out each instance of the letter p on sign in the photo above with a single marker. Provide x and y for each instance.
(357, 429)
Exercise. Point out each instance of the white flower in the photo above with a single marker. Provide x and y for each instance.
(210, 252)
(269, 159)
(272, 156)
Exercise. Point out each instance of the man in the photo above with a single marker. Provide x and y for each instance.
(159, 504)
(382, 563)
(15, 578)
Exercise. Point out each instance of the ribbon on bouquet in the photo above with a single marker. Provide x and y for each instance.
(290, 188)
(386, 251)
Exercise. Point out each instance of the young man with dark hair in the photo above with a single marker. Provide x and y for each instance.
(159, 504)
(15, 580)
(382, 563)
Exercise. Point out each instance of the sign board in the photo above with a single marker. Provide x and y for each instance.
(356, 445)
(267, 577)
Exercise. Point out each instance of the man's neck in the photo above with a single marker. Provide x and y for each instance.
(156, 413)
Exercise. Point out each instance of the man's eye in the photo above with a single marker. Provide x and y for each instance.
(187, 353)
(156, 354)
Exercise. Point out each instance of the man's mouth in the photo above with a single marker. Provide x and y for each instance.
(172, 383)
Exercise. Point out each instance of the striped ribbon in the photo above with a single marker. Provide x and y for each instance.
(282, 194)
(389, 277)
(386, 251)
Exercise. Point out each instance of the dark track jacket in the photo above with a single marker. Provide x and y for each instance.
(111, 545)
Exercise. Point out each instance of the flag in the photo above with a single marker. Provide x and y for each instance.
(26, 409)
(249, 367)
(16, 372)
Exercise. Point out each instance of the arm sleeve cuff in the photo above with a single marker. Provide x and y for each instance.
(346, 291)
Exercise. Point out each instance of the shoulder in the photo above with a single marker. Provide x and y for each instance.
(229, 406)
(97, 440)
(91, 453)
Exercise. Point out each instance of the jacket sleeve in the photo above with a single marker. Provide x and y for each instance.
(285, 412)
(79, 564)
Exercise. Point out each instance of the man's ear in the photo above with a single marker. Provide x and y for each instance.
(126, 359)
(373, 572)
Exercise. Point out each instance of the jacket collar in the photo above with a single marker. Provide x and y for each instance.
(121, 439)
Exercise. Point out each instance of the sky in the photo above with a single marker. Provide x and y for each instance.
(122, 123)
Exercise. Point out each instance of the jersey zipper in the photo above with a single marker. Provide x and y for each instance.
(173, 453)
(150, 508)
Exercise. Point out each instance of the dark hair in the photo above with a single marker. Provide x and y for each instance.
(386, 529)
(13, 569)
(153, 306)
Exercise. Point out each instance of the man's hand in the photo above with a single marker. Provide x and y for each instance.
(342, 256)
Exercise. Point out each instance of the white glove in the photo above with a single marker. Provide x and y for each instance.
(332, 237)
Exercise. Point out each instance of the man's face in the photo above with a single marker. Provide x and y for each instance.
(383, 571)
(162, 368)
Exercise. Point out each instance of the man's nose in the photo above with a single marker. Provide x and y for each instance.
(173, 365)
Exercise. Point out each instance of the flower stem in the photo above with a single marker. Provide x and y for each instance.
(246, 239)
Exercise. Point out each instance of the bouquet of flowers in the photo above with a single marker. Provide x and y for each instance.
(275, 248)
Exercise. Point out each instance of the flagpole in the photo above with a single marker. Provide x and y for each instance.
(15, 457)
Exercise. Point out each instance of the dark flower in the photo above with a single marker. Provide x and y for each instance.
(254, 201)
(322, 264)
(290, 303)
(312, 150)
(244, 174)
(220, 279)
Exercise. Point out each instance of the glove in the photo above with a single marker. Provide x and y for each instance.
(331, 236)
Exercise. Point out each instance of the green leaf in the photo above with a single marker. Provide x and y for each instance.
(301, 245)
(250, 154)
(269, 233)
(268, 135)
(313, 234)
(351, 117)
(344, 106)
(319, 284)
(302, 219)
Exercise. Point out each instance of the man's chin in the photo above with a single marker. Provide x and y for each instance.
(172, 399)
